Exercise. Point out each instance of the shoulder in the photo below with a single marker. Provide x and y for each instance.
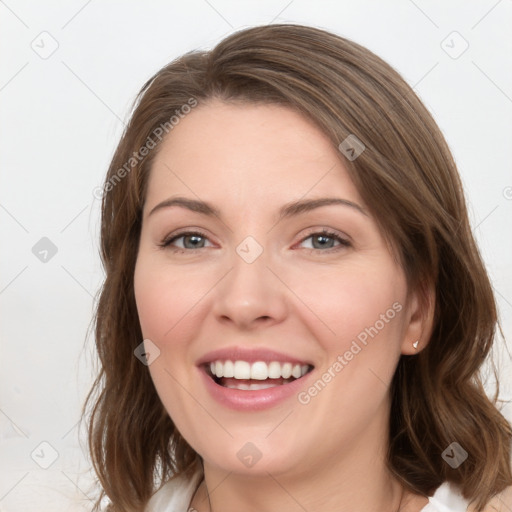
(502, 502)
(174, 495)
(447, 498)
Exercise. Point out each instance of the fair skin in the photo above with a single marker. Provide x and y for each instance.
(302, 296)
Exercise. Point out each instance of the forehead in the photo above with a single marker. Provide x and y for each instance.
(249, 152)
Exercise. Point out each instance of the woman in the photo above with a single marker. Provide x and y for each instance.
(284, 227)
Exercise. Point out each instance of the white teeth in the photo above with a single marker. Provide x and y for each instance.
(274, 370)
(296, 371)
(219, 369)
(242, 370)
(251, 387)
(229, 369)
(243, 386)
(286, 370)
(258, 370)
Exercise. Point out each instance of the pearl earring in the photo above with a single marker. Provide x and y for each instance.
(415, 344)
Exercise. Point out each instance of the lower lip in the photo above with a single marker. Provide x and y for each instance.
(252, 400)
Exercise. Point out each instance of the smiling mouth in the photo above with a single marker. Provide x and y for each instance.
(246, 376)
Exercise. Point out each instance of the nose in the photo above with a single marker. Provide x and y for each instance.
(250, 295)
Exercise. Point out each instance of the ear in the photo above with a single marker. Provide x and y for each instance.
(420, 313)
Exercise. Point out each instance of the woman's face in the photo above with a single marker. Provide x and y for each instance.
(257, 282)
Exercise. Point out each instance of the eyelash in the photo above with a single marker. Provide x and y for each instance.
(343, 243)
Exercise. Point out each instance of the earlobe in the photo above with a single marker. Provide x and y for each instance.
(421, 319)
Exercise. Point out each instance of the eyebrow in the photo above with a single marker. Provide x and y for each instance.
(288, 210)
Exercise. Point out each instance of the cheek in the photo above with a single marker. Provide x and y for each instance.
(360, 325)
(354, 303)
(165, 304)
(165, 300)
(365, 310)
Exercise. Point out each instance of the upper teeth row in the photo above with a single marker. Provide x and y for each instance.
(258, 370)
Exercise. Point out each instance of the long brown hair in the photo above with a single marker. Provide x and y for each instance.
(407, 177)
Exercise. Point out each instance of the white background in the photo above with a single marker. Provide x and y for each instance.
(61, 118)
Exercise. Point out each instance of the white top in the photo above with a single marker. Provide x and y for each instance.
(176, 494)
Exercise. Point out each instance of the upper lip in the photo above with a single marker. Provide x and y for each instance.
(251, 355)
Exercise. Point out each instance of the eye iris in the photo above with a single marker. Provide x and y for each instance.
(196, 238)
(322, 245)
